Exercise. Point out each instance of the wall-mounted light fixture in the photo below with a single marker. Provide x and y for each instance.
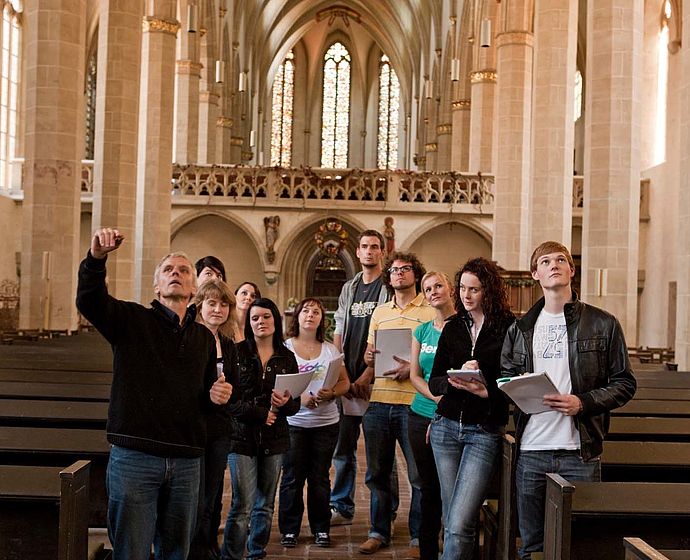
(220, 71)
(242, 82)
(485, 33)
(191, 18)
(455, 70)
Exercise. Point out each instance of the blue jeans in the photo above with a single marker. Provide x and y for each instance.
(254, 483)
(151, 500)
(466, 455)
(384, 424)
(530, 480)
(308, 460)
(345, 465)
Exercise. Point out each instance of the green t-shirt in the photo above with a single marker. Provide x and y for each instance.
(428, 337)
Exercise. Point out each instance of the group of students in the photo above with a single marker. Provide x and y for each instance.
(453, 426)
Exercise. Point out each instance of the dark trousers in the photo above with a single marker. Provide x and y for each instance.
(214, 461)
(309, 459)
(431, 508)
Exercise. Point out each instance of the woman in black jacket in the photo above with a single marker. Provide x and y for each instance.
(259, 434)
(215, 305)
(471, 416)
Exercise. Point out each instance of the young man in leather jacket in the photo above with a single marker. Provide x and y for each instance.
(583, 350)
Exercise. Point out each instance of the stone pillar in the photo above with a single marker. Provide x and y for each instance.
(223, 138)
(553, 128)
(682, 345)
(444, 134)
(459, 154)
(115, 138)
(155, 142)
(187, 111)
(208, 115)
(513, 118)
(610, 229)
(482, 120)
(54, 145)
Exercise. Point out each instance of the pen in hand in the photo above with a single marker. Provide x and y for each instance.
(316, 404)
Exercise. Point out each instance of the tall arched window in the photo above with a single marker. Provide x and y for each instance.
(335, 119)
(577, 99)
(389, 112)
(283, 102)
(90, 105)
(9, 86)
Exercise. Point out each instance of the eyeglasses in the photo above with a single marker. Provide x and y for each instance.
(401, 269)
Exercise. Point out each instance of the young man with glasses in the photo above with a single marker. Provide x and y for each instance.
(385, 421)
(583, 350)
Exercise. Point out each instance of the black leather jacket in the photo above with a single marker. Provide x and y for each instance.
(600, 370)
(251, 401)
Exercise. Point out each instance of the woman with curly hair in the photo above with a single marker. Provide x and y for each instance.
(471, 416)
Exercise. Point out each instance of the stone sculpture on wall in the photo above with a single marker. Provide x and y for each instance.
(271, 225)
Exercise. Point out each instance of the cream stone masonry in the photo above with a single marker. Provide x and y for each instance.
(683, 306)
(553, 127)
(610, 228)
(115, 138)
(152, 239)
(459, 155)
(187, 79)
(54, 140)
(511, 248)
(481, 120)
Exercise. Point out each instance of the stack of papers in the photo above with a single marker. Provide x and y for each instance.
(527, 391)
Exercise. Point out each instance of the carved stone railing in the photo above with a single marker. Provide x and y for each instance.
(390, 187)
(87, 176)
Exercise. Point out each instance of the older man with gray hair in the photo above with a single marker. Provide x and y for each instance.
(164, 382)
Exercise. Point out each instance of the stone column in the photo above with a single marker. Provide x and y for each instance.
(459, 155)
(444, 134)
(115, 139)
(682, 345)
(155, 142)
(187, 111)
(553, 128)
(513, 118)
(610, 229)
(53, 147)
(208, 115)
(482, 120)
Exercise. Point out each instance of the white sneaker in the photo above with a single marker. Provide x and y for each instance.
(338, 518)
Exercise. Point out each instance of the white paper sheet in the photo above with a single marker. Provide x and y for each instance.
(527, 391)
(389, 343)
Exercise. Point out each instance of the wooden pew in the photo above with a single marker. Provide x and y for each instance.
(646, 428)
(60, 447)
(55, 414)
(637, 549)
(44, 512)
(663, 393)
(54, 391)
(33, 375)
(588, 520)
(642, 407)
(646, 461)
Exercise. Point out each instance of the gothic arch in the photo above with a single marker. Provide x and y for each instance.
(471, 223)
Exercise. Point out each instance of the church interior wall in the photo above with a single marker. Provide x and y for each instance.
(214, 235)
(433, 247)
(10, 234)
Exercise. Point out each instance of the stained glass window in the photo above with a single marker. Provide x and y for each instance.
(335, 119)
(283, 101)
(9, 88)
(389, 111)
(90, 109)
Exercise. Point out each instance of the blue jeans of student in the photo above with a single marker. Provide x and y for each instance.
(530, 480)
(384, 424)
(345, 465)
(254, 484)
(151, 500)
(466, 455)
(308, 460)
